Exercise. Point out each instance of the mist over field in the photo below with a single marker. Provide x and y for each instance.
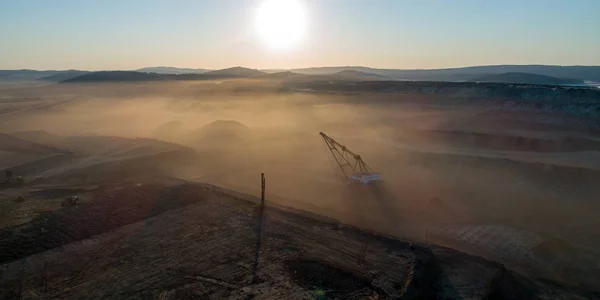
(463, 156)
(515, 183)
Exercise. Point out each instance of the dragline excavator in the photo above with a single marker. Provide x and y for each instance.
(353, 168)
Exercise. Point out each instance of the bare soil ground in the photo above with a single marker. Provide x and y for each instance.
(513, 187)
(196, 241)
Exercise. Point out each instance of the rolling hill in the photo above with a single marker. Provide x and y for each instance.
(37, 136)
(236, 72)
(129, 76)
(11, 143)
(341, 75)
(282, 75)
(357, 75)
(25, 75)
(172, 70)
(332, 70)
(100, 157)
(15, 151)
(66, 75)
(115, 76)
(588, 73)
(585, 73)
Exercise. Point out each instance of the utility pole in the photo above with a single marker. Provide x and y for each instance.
(259, 231)
(262, 194)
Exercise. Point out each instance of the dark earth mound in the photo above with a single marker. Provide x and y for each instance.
(219, 134)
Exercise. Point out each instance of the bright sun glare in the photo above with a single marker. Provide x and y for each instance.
(280, 23)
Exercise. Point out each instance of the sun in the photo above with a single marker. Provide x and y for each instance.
(280, 24)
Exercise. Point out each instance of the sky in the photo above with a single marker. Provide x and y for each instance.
(214, 34)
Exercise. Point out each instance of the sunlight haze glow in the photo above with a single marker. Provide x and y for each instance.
(277, 34)
(280, 23)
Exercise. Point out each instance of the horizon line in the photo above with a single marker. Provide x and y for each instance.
(312, 67)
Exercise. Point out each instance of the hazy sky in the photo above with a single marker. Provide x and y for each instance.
(129, 34)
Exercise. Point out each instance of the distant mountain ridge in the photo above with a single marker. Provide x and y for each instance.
(64, 75)
(282, 75)
(25, 75)
(342, 75)
(236, 71)
(332, 70)
(124, 76)
(580, 102)
(172, 70)
(589, 73)
(584, 73)
(115, 76)
(527, 78)
(354, 74)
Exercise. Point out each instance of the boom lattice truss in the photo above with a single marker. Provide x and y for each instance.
(353, 168)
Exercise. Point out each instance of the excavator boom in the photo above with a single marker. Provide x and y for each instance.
(353, 168)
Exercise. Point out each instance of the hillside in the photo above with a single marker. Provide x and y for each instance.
(66, 75)
(15, 151)
(526, 78)
(172, 70)
(589, 73)
(341, 75)
(236, 72)
(332, 70)
(282, 75)
(9, 142)
(115, 76)
(129, 76)
(354, 74)
(574, 101)
(24, 75)
(112, 155)
(37, 136)
(585, 73)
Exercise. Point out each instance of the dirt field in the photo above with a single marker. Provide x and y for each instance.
(199, 241)
(517, 188)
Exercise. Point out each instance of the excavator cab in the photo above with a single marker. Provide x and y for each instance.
(366, 178)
